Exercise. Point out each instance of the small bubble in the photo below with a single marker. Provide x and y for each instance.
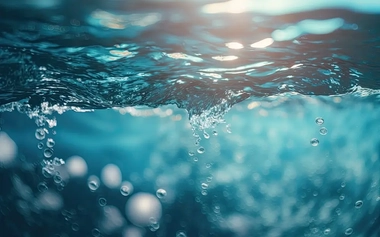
(42, 187)
(126, 188)
(195, 158)
(48, 152)
(40, 133)
(204, 186)
(102, 202)
(323, 131)
(314, 142)
(208, 165)
(50, 142)
(47, 172)
(341, 197)
(358, 204)
(95, 232)
(204, 192)
(209, 178)
(93, 183)
(206, 135)
(327, 231)
(215, 133)
(228, 128)
(348, 231)
(201, 150)
(343, 184)
(180, 234)
(319, 120)
(161, 193)
(57, 179)
(191, 153)
(75, 227)
(40, 145)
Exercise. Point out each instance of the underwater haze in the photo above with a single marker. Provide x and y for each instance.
(193, 118)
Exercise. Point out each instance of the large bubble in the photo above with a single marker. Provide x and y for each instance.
(142, 208)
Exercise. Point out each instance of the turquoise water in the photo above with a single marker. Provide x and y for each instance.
(192, 118)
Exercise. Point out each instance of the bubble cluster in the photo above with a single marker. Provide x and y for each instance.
(161, 193)
(314, 142)
(319, 120)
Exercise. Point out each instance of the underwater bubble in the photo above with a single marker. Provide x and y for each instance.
(75, 227)
(215, 133)
(206, 135)
(40, 133)
(126, 188)
(319, 120)
(111, 176)
(343, 184)
(102, 202)
(358, 204)
(208, 165)
(95, 232)
(57, 179)
(50, 142)
(40, 145)
(180, 234)
(314, 142)
(195, 159)
(228, 128)
(204, 186)
(76, 166)
(58, 162)
(201, 150)
(47, 172)
(327, 231)
(204, 192)
(93, 183)
(323, 131)
(161, 193)
(348, 231)
(42, 187)
(341, 197)
(191, 153)
(141, 207)
(48, 152)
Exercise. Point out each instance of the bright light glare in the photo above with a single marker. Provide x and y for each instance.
(263, 43)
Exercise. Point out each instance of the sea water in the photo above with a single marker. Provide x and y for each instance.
(189, 118)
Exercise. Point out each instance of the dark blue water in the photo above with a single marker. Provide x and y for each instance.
(191, 118)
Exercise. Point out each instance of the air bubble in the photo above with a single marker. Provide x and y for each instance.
(319, 120)
(191, 153)
(42, 187)
(195, 159)
(57, 179)
(204, 192)
(204, 186)
(102, 202)
(50, 142)
(201, 150)
(95, 232)
(228, 128)
(348, 231)
(215, 133)
(75, 227)
(48, 152)
(323, 131)
(126, 188)
(206, 135)
(47, 172)
(341, 197)
(180, 234)
(40, 133)
(57, 161)
(93, 183)
(40, 145)
(358, 204)
(161, 193)
(327, 231)
(314, 142)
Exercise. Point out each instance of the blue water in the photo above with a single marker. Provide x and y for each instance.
(213, 102)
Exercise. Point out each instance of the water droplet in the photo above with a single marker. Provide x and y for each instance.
(204, 186)
(314, 142)
(42, 187)
(228, 128)
(161, 193)
(50, 142)
(327, 231)
(348, 231)
(341, 197)
(95, 232)
(40, 133)
(57, 179)
(215, 133)
(102, 202)
(206, 135)
(75, 227)
(93, 183)
(201, 150)
(358, 204)
(191, 153)
(323, 131)
(180, 234)
(40, 145)
(319, 120)
(48, 152)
